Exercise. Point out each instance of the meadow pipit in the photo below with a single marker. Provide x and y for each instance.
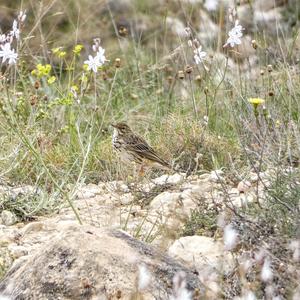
(133, 148)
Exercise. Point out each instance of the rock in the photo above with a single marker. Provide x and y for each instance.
(245, 15)
(201, 253)
(244, 186)
(8, 218)
(176, 26)
(253, 177)
(17, 251)
(32, 227)
(172, 206)
(267, 4)
(169, 179)
(126, 199)
(216, 176)
(88, 191)
(208, 30)
(84, 262)
(269, 21)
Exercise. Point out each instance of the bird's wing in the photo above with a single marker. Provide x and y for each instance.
(139, 145)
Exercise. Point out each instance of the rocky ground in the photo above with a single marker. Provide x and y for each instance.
(122, 224)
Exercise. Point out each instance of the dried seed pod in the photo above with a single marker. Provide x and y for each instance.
(188, 69)
(33, 100)
(254, 44)
(37, 85)
(180, 74)
(117, 62)
(270, 68)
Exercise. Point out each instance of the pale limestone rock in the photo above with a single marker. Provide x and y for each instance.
(245, 16)
(84, 260)
(176, 26)
(253, 177)
(266, 5)
(32, 227)
(201, 253)
(244, 186)
(269, 21)
(176, 178)
(17, 251)
(208, 31)
(216, 176)
(117, 186)
(8, 218)
(126, 199)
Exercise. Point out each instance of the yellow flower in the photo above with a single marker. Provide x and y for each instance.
(77, 49)
(256, 101)
(56, 50)
(51, 79)
(62, 54)
(74, 87)
(41, 70)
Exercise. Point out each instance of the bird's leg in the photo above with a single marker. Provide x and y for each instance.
(141, 170)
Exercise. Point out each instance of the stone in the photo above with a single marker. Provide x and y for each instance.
(85, 262)
(176, 178)
(201, 253)
(270, 20)
(176, 26)
(244, 186)
(208, 31)
(216, 176)
(32, 227)
(8, 218)
(17, 251)
(267, 4)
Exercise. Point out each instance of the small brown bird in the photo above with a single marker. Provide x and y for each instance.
(133, 148)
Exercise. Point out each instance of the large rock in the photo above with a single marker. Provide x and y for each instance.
(84, 262)
(201, 253)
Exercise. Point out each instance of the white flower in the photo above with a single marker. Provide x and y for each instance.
(100, 55)
(15, 30)
(8, 54)
(2, 38)
(211, 5)
(235, 35)
(199, 55)
(144, 278)
(266, 271)
(22, 16)
(93, 63)
(230, 237)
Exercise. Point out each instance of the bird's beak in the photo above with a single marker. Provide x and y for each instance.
(113, 125)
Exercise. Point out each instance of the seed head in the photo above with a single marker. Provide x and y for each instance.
(181, 74)
(117, 62)
(37, 85)
(254, 44)
(188, 69)
(270, 68)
